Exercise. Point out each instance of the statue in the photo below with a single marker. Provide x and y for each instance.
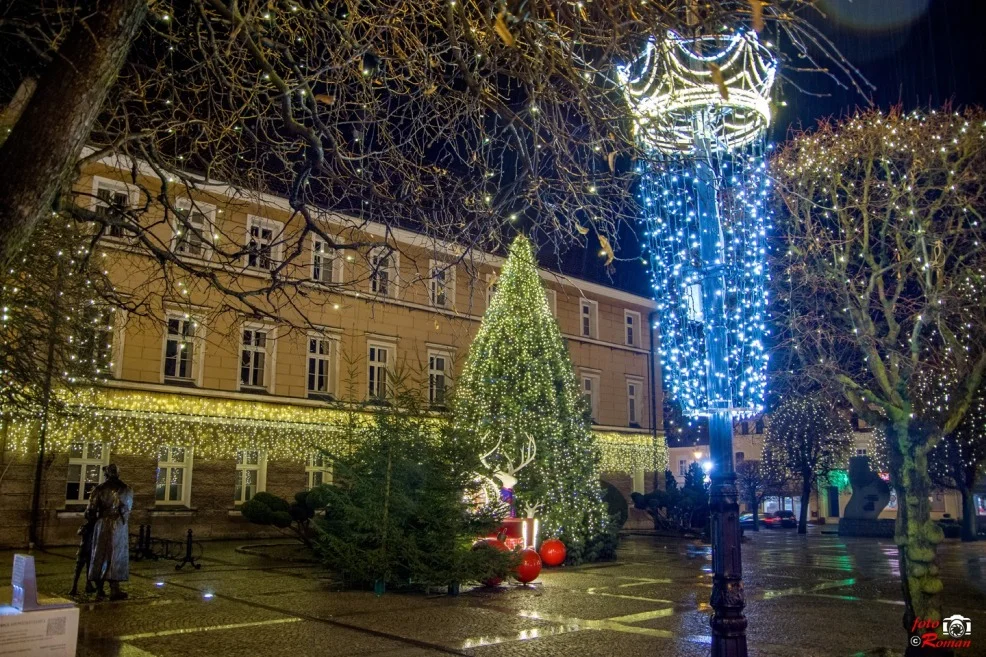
(83, 556)
(870, 493)
(109, 510)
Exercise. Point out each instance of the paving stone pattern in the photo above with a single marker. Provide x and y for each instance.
(815, 595)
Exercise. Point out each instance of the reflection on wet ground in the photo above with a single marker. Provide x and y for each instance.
(806, 595)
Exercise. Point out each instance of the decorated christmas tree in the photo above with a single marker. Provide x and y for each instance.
(518, 392)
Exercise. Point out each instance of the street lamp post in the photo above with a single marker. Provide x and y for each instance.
(701, 108)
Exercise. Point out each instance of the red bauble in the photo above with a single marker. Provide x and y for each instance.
(553, 552)
(529, 567)
(491, 544)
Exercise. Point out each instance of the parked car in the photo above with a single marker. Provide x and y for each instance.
(779, 519)
(746, 521)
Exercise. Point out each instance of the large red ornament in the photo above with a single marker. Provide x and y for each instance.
(491, 544)
(553, 552)
(529, 567)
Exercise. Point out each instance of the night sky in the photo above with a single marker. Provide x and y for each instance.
(916, 53)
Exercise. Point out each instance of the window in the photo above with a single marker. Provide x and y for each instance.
(633, 402)
(682, 467)
(740, 457)
(112, 202)
(491, 282)
(251, 474)
(98, 350)
(589, 318)
(323, 358)
(326, 263)
(318, 468)
(861, 452)
(378, 374)
(631, 321)
(263, 251)
(744, 428)
(193, 229)
(590, 390)
(552, 301)
(758, 427)
(383, 272)
(174, 475)
(180, 349)
(85, 470)
(442, 284)
(255, 365)
(439, 370)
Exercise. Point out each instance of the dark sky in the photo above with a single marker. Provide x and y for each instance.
(916, 53)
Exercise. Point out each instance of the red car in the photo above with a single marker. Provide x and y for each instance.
(779, 519)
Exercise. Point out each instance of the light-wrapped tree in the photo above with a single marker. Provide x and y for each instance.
(880, 291)
(808, 438)
(519, 386)
(958, 460)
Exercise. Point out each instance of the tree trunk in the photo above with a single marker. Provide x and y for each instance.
(917, 536)
(755, 509)
(968, 515)
(38, 157)
(805, 499)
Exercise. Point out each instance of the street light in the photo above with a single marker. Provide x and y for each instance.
(701, 108)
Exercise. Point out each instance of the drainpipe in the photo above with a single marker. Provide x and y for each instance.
(652, 365)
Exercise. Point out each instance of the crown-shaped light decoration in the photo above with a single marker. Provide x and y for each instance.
(724, 80)
(701, 108)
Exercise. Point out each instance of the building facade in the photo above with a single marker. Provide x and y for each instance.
(209, 399)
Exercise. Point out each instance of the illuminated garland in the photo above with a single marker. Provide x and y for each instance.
(706, 142)
(138, 422)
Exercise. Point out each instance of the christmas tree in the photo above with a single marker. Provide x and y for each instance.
(519, 386)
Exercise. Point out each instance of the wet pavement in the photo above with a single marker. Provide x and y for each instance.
(815, 595)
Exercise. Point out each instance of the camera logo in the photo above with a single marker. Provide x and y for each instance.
(957, 626)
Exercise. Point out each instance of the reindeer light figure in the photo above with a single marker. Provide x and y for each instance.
(507, 474)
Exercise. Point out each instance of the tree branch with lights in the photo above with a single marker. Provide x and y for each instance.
(879, 274)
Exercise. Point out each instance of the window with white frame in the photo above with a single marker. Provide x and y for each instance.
(85, 470)
(631, 329)
(552, 301)
(634, 389)
(326, 262)
(174, 474)
(442, 284)
(263, 249)
(861, 451)
(380, 357)
(588, 318)
(439, 374)
(383, 272)
(113, 200)
(194, 228)
(323, 360)
(590, 390)
(682, 467)
(256, 347)
(181, 357)
(251, 474)
(318, 469)
(491, 282)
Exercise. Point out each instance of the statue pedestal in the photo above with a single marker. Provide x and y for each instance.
(869, 527)
(39, 633)
(30, 629)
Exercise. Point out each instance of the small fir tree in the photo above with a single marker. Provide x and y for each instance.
(519, 384)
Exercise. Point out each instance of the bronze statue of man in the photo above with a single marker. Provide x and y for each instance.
(109, 509)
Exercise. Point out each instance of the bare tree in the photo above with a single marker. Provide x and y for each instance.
(456, 119)
(957, 462)
(879, 284)
(756, 480)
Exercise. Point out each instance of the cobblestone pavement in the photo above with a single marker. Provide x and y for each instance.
(814, 595)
